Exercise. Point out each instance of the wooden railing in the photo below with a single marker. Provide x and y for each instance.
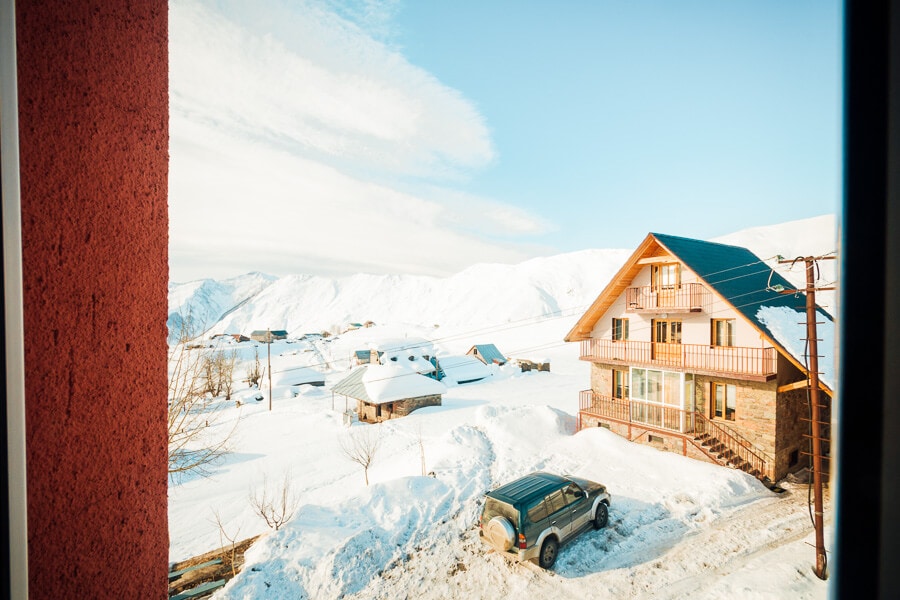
(734, 443)
(689, 424)
(687, 297)
(738, 360)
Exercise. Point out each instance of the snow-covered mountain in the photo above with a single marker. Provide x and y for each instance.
(479, 296)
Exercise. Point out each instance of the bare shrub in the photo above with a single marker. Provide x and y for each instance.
(231, 539)
(360, 445)
(276, 508)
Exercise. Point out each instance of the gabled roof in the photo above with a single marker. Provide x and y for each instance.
(488, 353)
(739, 277)
(377, 384)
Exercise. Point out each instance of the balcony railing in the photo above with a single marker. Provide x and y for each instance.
(659, 416)
(687, 297)
(687, 424)
(735, 360)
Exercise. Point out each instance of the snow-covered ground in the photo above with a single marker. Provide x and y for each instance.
(678, 527)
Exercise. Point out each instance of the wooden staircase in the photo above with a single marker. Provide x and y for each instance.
(730, 449)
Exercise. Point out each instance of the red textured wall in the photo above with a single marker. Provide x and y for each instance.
(93, 123)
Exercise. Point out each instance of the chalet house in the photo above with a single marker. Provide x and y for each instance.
(695, 348)
(390, 391)
(264, 336)
(487, 353)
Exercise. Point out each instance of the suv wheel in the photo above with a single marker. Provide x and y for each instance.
(548, 553)
(602, 516)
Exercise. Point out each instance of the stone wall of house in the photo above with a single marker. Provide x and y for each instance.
(403, 408)
(601, 379)
(755, 410)
(793, 420)
(394, 410)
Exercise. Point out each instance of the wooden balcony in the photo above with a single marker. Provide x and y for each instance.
(685, 298)
(721, 443)
(737, 361)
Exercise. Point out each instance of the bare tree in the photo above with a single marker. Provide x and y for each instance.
(192, 446)
(231, 539)
(421, 441)
(254, 373)
(225, 371)
(360, 446)
(277, 508)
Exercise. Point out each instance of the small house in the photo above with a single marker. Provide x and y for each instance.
(487, 353)
(390, 391)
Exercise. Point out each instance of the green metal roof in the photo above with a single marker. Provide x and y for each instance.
(525, 489)
(737, 275)
(489, 353)
(352, 385)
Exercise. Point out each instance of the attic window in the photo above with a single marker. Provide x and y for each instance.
(394, 358)
(412, 358)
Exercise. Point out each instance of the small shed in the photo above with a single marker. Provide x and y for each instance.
(385, 392)
(487, 353)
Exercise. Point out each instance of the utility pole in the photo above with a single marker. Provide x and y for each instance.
(815, 423)
(269, 362)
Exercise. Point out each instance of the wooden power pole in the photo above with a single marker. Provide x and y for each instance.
(815, 424)
(269, 362)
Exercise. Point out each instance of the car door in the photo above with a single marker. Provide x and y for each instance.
(577, 507)
(559, 516)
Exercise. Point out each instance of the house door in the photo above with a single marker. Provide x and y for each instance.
(666, 281)
(666, 340)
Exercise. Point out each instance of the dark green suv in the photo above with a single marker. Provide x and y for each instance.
(530, 517)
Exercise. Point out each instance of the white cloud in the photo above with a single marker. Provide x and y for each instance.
(301, 144)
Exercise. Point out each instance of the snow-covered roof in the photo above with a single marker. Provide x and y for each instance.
(377, 384)
(463, 368)
(296, 376)
(788, 329)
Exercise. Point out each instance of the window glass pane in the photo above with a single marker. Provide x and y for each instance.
(672, 388)
(639, 383)
(654, 386)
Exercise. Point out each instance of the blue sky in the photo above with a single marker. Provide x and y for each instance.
(422, 137)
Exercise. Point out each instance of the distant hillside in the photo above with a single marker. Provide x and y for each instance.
(482, 295)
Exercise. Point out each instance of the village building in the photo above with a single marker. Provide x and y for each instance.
(388, 391)
(488, 354)
(696, 348)
(415, 352)
(267, 336)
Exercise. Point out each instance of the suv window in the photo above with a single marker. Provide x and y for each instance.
(572, 493)
(496, 508)
(538, 512)
(555, 501)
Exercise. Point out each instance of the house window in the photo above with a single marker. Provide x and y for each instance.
(620, 384)
(723, 395)
(619, 329)
(722, 332)
(666, 276)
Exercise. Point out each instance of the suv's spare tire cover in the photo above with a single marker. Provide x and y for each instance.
(500, 533)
